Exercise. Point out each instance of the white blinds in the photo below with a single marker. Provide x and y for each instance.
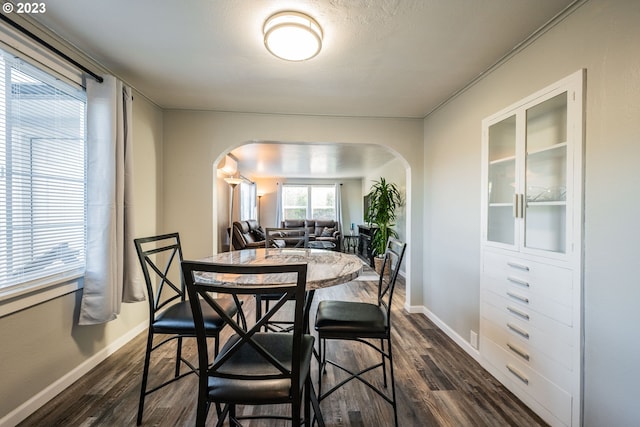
(309, 202)
(42, 177)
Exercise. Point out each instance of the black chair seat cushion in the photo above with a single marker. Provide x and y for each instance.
(345, 319)
(247, 361)
(178, 318)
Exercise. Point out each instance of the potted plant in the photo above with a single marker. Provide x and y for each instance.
(384, 199)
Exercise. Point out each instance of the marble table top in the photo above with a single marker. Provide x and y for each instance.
(324, 268)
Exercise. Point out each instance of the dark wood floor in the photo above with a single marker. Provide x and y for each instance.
(438, 384)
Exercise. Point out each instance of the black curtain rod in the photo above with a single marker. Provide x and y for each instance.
(53, 49)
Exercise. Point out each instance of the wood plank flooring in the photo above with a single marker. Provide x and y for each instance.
(437, 384)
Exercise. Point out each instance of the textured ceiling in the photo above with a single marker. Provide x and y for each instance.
(390, 58)
(381, 58)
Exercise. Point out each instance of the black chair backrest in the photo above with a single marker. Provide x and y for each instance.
(203, 278)
(160, 258)
(393, 256)
(293, 237)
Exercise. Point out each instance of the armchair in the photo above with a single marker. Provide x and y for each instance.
(247, 234)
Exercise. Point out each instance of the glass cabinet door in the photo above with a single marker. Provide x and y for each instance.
(546, 175)
(502, 181)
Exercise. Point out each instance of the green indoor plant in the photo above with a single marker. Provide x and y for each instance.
(384, 199)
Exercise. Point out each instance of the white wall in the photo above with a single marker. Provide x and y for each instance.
(196, 140)
(602, 36)
(395, 172)
(44, 344)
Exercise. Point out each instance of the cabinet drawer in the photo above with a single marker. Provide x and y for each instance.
(526, 318)
(545, 288)
(519, 376)
(526, 296)
(544, 351)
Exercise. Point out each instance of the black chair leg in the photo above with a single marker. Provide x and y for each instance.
(295, 412)
(178, 356)
(223, 415)
(315, 404)
(145, 374)
(384, 368)
(322, 368)
(388, 355)
(201, 412)
(232, 416)
(307, 400)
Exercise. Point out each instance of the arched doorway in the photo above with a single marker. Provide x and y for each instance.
(354, 166)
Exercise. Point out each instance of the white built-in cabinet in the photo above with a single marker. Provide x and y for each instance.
(531, 249)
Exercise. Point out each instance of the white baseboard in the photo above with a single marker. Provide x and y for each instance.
(36, 402)
(461, 342)
(413, 309)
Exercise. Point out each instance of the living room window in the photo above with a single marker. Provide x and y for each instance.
(309, 201)
(42, 178)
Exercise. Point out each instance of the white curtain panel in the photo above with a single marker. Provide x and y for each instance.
(112, 275)
(339, 205)
(279, 206)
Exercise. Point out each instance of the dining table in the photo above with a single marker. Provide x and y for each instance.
(325, 268)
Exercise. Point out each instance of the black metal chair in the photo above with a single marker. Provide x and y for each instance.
(280, 238)
(365, 323)
(253, 367)
(169, 311)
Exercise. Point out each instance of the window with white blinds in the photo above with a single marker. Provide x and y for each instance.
(309, 202)
(42, 177)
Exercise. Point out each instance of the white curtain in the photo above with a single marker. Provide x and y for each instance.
(339, 205)
(112, 275)
(279, 205)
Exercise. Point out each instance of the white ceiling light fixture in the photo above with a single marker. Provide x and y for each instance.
(292, 36)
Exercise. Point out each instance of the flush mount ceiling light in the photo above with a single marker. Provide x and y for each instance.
(293, 36)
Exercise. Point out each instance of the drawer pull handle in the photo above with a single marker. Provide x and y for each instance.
(518, 281)
(522, 377)
(518, 265)
(518, 331)
(518, 312)
(518, 297)
(518, 351)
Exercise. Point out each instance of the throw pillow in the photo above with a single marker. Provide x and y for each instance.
(258, 233)
(327, 232)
